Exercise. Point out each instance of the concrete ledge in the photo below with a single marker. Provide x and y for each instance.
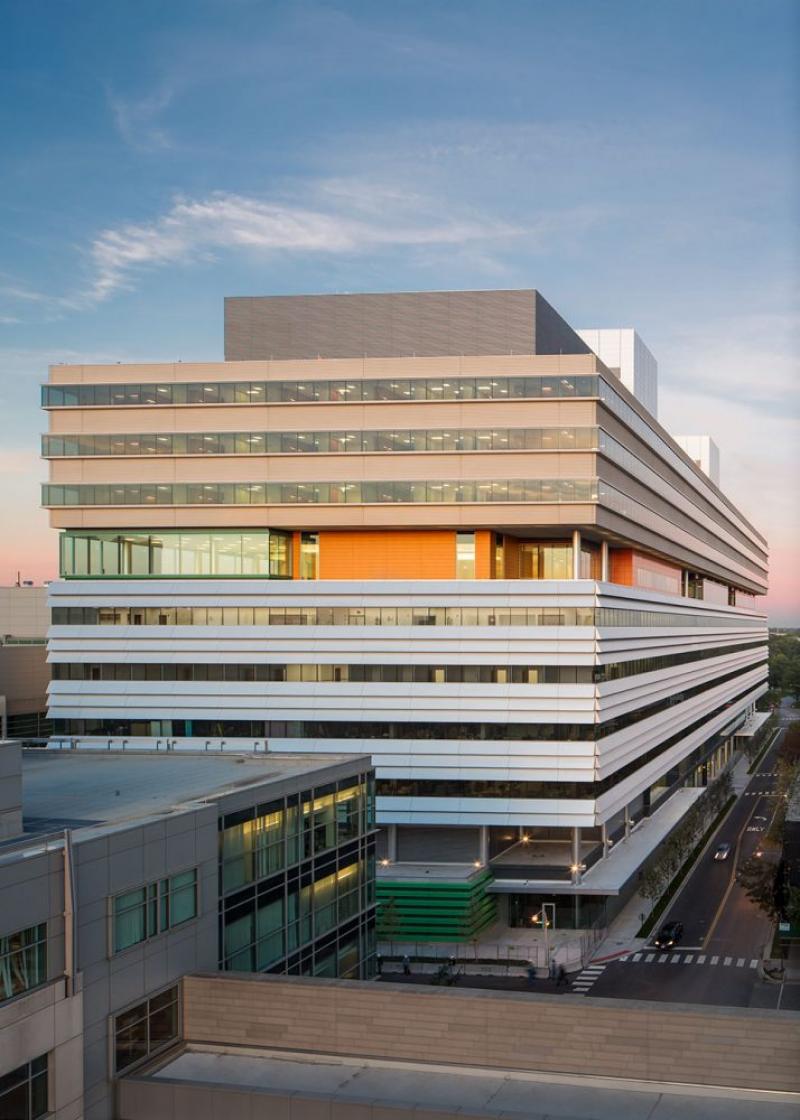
(721, 1047)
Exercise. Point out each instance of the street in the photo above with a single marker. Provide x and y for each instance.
(724, 933)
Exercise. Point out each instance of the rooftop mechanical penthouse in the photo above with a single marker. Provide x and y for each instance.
(433, 527)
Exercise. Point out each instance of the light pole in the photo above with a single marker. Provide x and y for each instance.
(546, 940)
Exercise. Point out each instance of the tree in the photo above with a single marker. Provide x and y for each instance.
(388, 923)
(653, 881)
(759, 879)
(793, 906)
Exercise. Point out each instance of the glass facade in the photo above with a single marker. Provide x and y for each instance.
(189, 553)
(600, 617)
(298, 392)
(385, 674)
(23, 1091)
(145, 1029)
(298, 883)
(23, 961)
(145, 912)
(334, 673)
(322, 493)
(339, 442)
(347, 728)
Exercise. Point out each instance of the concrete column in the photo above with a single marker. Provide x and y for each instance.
(576, 554)
(685, 580)
(576, 854)
(484, 845)
(604, 838)
(605, 573)
(391, 845)
(627, 822)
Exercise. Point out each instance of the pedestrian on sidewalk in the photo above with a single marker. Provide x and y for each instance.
(379, 963)
(406, 965)
(531, 972)
(562, 976)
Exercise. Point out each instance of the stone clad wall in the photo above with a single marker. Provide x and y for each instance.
(742, 1048)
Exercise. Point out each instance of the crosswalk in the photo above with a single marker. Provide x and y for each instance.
(584, 980)
(689, 958)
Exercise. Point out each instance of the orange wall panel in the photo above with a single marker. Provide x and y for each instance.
(622, 566)
(401, 554)
(484, 558)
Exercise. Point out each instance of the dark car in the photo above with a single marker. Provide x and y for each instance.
(669, 935)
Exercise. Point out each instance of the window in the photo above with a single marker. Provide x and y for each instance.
(322, 493)
(23, 961)
(153, 909)
(23, 1092)
(145, 1029)
(465, 556)
(192, 552)
(309, 555)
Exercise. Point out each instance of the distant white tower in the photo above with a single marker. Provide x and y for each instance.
(622, 350)
(704, 452)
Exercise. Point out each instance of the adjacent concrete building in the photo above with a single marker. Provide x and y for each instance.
(129, 870)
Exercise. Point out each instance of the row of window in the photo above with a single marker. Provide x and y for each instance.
(382, 674)
(261, 927)
(145, 912)
(324, 442)
(461, 388)
(347, 728)
(561, 790)
(696, 478)
(23, 1091)
(324, 493)
(305, 391)
(390, 616)
(23, 961)
(260, 841)
(264, 553)
(146, 1029)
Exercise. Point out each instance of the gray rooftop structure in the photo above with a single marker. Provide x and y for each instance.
(395, 325)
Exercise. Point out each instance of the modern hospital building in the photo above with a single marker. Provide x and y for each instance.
(442, 529)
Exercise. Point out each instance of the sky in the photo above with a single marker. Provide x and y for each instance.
(635, 162)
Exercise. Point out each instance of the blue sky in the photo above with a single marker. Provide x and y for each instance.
(635, 161)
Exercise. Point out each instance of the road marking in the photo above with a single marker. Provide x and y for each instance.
(581, 987)
(701, 959)
(715, 960)
(740, 962)
(662, 958)
(675, 958)
(753, 964)
(637, 956)
(688, 958)
(727, 960)
(650, 957)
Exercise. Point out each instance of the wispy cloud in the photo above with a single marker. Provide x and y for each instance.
(137, 119)
(200, 229)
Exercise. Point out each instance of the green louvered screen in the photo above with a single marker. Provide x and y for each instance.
(410, 910)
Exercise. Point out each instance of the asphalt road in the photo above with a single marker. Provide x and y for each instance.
(724, 933)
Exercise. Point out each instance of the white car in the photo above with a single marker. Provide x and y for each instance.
(723, 851)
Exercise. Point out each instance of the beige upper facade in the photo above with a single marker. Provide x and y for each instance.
(645, 491)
